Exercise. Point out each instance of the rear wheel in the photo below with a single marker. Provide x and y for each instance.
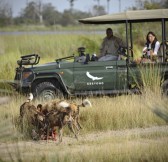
(47, 91)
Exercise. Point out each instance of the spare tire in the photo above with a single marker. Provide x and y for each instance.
(47, 91)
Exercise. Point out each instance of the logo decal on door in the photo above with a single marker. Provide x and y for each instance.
(93, 77)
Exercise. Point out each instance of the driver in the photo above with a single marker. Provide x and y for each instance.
(110, 46)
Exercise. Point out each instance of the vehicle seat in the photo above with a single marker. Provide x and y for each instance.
(87, 59)
(108, 58)
(160, 52)
(80, 59)
(94, 57)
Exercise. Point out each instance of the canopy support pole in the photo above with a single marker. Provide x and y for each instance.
(128, 60)
(163, 38)
(127, 43)
(131, 38)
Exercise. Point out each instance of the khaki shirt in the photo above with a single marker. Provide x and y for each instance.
(111, 46)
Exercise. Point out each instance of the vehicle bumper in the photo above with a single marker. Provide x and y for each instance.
(20, 86)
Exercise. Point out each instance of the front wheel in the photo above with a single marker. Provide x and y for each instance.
(47, 91)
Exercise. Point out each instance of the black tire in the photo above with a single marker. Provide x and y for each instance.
(47, 91)
(165, 87)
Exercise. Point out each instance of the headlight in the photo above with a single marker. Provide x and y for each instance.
(25, 75)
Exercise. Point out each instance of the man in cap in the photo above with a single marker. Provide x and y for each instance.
(110, 46)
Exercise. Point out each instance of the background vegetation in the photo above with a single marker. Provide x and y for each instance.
(45, 14)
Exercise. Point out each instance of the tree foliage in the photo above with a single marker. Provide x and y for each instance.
(98, 10)
(50, 15)
(71, 3)
(151, 4)
(166, 4)
(37, 12)
(5, 13)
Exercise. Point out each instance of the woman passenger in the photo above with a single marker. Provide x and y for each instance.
(151, 47)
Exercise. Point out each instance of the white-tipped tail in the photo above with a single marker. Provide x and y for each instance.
(86, 103)
(30, 97)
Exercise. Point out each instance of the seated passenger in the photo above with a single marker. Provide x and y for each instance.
(110, 46)
(150, 51)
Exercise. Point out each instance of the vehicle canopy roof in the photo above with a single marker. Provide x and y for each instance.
(129, 16)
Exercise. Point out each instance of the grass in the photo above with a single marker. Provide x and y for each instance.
(121, 114)
(107, 113)
(49, 47)
(79, 27)
(97, 152)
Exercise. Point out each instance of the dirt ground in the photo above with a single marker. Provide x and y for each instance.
(86, 138)
(12, 150)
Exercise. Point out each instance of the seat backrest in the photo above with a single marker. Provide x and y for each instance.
(160, 52)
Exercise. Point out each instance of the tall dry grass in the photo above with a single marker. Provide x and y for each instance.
(107, 113)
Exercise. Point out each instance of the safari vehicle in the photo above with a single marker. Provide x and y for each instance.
(70, 78)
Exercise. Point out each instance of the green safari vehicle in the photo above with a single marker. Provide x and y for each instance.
(92, 77)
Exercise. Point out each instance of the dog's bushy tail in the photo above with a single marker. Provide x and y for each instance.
(86, 103)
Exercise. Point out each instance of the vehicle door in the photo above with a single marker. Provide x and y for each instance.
(122, 75)
(95, 75)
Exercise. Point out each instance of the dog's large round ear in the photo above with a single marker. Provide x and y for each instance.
(40, 106)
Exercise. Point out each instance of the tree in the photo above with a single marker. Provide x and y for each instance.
(70, 17)
(165, 4)
(5, 13)
(108, 6)
(98, 10)
(33, 12)
(50, 15)
(29, 13)
(38, 11)
(149, 4)
(71, 3)
(67, 18)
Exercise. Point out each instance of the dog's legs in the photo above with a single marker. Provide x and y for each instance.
(77, 125)
(54, 134)
(70, 126)
(77, 121)
(47, 136)
(60, 134)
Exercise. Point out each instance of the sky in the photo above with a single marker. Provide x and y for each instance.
(83, 5)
